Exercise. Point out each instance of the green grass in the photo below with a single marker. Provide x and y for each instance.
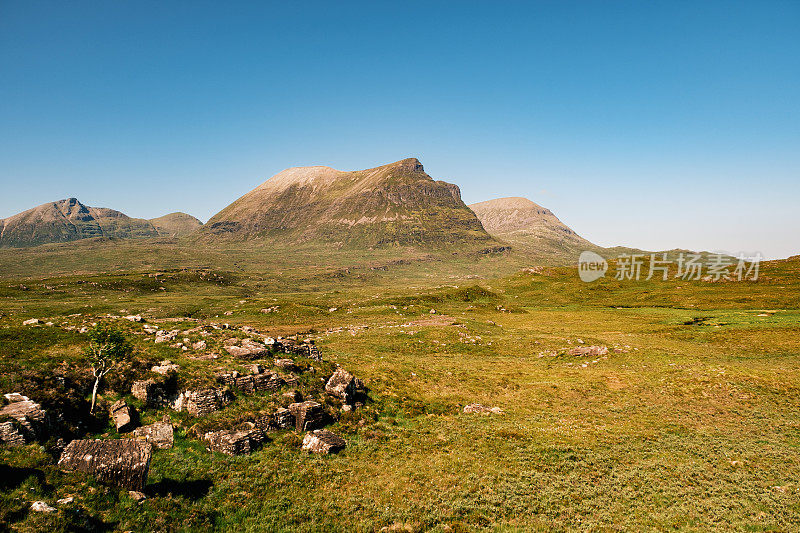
(692, 424)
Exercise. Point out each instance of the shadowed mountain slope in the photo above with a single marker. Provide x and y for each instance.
(392, 204)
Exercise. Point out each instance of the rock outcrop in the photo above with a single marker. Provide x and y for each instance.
(24, 421)
(232, 442)
(201, 402)
(125, 417)
(308, 415)
(323, 441)
(159, 434)
(121, 463)
(342, 385)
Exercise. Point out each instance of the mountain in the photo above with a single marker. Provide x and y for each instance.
(176, 224)
(392, 204)
(70, 220)
(529, 226)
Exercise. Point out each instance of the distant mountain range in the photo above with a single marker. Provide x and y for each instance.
(69, 220)
(394, 204)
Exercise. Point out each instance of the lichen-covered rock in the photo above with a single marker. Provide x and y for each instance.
(30, 421)
(267, 381)
(284, 418)
(232, 442)
(201, 402)
(122, 463)
(11, 435)
(307, 415)
(249, 349)
(159, 434)
(125, 417)
(323, 441)
(342, 384)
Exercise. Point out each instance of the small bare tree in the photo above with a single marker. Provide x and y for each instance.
(107, 348)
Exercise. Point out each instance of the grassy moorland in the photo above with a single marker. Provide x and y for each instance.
(690, 422)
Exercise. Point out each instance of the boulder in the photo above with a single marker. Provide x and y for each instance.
(249, 349)
(166, 336)
(286, 364)
(12, 435)
(231, 442)
(159, 434)
(202, 402)
(482, 409)
(284, 418)
(165, 367)
(30, 421)
(125, 417)
(149, 391)
(41, 507)
(122, 463)
(267, 381)
(342, 385)
(307, 415)
(199, 345)
(31, 322)
(323, 441)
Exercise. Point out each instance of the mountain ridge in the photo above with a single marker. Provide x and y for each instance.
(69, 220)
(397, 203)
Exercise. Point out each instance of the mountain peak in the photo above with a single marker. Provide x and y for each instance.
(389, 204)
(410, 164)
(529, 226)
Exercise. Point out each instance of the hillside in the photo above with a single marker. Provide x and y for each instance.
(392, 204)
(176, 224)
(70, 220)
(529, 227)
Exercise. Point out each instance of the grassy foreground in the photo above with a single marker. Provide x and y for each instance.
(691, 422)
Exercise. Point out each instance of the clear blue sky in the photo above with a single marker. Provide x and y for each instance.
(645, 123)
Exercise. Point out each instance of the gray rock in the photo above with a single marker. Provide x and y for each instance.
(232, 442)
(125, 417)
(159, 434)
(323, 441)
(123, 463)
(30, 421)
(342, 385)
(307, 415)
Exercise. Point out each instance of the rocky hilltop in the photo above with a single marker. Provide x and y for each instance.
(523, 222)
(392, 204)
(70, 220)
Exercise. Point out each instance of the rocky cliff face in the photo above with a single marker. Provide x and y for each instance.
(392, 204)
